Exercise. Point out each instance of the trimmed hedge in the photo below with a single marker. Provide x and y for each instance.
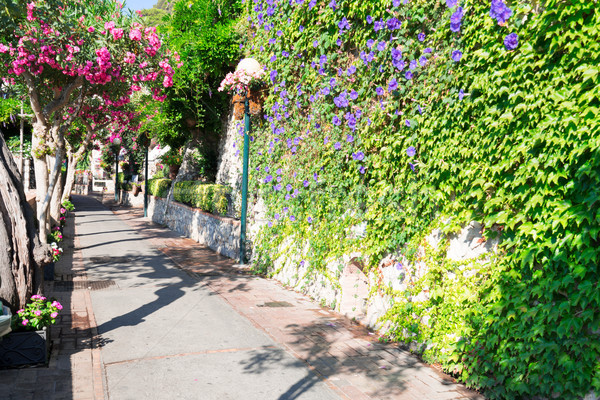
(159, 187)
(207, 197)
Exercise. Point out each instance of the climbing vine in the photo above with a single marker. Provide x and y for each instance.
(387, 119)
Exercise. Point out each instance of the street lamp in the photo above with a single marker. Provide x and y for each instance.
(249, 65)
(144, 140)
(117, 148)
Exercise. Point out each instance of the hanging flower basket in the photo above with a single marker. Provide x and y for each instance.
(240, 83)
(256, 99)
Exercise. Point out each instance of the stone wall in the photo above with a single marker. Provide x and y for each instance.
(345, 287)
(218, 233)
(128, 199)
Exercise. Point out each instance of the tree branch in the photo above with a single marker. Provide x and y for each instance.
(63, 98)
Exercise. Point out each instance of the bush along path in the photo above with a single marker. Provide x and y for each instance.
(387, 120)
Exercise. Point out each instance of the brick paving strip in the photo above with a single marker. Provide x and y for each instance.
(74, 370)
(347, 357)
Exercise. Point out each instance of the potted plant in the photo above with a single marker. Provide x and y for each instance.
(245, 82)
(54, 238)
(28, 343)
(173, 158)
(137, 188)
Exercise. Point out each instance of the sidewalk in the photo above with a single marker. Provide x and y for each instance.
(177, 321)
(343, 355)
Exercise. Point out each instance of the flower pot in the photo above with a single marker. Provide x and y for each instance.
(22, 348)
(173, 170)
(49, 272)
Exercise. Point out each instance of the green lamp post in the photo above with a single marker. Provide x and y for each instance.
(117, 148)
(249, 65)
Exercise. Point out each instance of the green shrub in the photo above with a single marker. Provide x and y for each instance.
(126, 186)
(207, 197)
(159, 187)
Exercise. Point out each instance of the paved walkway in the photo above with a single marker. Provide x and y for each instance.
(174, 320)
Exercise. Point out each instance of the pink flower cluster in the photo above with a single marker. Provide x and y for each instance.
(240, 80)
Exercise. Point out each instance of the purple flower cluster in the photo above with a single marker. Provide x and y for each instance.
(500, 11)
(511, 41)
(455, 20)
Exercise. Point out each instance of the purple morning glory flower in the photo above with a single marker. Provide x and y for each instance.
(396, 3)
(277, 187)
(399, 266)
(273, 75)
(337, 146)
(427, 50)
(379, 91)
(500, 11)
(332, 82)
(408, 75)
(276, 216)
(451, 3)
(270, 224)
(393, 24)
(268, 179)
(354, 94)
(422, 61)
(287, 197)
(351, 70)
(369, 19)
(511, 41)
(362, 169)
(407, 122)
(421, 36)
(412, 65)
(333, 4)
(278, 179)
(323, 59)
(309, 220)
(419, 109)
(315, 43)
(305, 183)
(289, 187)
(412, 166)
(325, 91)
(315, 177)
(336, 121)
(358, 156)
(339, 42)
(311, 4)
(381, 46)
(349, 138)
(370, 43)
(455, 20)
(456, 55)
(393, 85)
(378, 25)
(343, 24)
(461, 94)
(292, 218)
(411, 151)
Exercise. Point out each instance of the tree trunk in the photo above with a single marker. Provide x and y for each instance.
(71, 166)
(23, 256)
(41, 174)
(46, 179)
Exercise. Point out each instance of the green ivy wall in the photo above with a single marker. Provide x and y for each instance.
(504, 135)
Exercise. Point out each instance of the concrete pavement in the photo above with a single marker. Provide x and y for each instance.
(152, 315)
